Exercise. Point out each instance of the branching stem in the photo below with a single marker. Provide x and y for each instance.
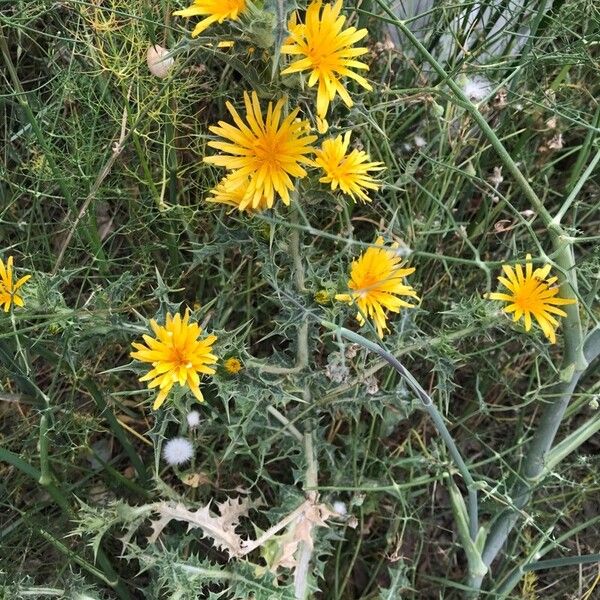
(574, 361)
(431, 409)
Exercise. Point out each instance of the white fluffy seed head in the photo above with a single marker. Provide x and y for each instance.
(477, 88)
(340, 508)
(420, 141)
(178, 451)
(193, 419)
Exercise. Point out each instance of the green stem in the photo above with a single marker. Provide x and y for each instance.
(574, 361)
(285, 422)
(512, 579)
(408, 349)
(566, 561)
(302, 337)
(431, 409)
(280, 31)
(577, 188)
(71, 555)
(537, 455)
(45, 472)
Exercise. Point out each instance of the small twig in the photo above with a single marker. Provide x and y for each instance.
(577, 188)
(106, 169)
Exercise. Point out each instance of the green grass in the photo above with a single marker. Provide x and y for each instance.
(114, 238)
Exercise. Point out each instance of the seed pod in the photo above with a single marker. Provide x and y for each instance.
(158, 62)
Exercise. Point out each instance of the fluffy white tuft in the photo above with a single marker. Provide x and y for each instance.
(193, 418)
(477, 88)
(340, 508)
(420, 141)
(178, 451)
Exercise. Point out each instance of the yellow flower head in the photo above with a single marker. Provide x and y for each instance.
(233, 193)
(325, 49)
(8, 288)
(262, 152)
(532, 293)
(376, 281)
(217, 11)
(176, 355)
(322, 297)
(233, 365)
(349, 172)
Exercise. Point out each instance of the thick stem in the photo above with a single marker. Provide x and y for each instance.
(574, 362)
(305, 551)
(539, 447)
(285, 422)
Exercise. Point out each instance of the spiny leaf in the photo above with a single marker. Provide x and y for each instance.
(220, 528)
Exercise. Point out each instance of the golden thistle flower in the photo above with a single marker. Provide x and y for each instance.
(217, 11)
(233, 193)
(325, 49)
(8, 288)
(376, 279)
(176, 355)
(532, 293)
(233, 365)
(349, 172)
(263, 152)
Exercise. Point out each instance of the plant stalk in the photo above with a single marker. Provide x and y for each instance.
(574, 361)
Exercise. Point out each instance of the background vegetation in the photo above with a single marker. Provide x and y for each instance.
(102, 200)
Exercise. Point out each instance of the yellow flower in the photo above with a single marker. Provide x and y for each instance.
(532, 293)
(376, 279)
(8, 289)
(325, 49)
(176, 355)
(263, 152)
(233, 193)
(349, 172)
(217, 11)
(233, 365)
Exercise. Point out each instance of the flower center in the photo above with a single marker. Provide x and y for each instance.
(339, 171)
(268, 151)
(180, 359)
(322, 60)
(527, 297)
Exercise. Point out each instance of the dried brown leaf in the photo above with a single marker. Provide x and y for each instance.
(300, 530)
(220, 528)
(195, 479)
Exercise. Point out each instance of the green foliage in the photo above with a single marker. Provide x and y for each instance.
(102, 190)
